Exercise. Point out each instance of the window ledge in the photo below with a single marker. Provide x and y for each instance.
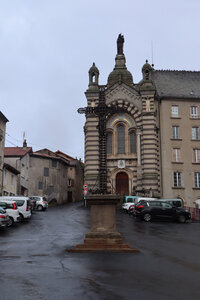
(175, 139)
(175, 117)
(192, 140)
(194, 118)
(196, 163)
(178, 188)
(196, 188)
(177, 162)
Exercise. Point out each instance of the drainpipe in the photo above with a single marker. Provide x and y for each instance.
(161, 173)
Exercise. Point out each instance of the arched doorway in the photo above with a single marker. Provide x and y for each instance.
(122, 187)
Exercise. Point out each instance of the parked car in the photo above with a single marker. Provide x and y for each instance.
(130, 206)
(41, 202)
(159, 209)
(12, 211)
(23, 204)
(128, 201)
(174, 202)
(4, 218)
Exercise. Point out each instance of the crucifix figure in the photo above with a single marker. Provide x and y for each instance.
(103, 112)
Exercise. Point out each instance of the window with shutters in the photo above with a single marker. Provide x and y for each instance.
(121, 139)
(46, 171)
(40, 185)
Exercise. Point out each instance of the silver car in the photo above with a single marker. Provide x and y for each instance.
(41, 202)
(4, 218)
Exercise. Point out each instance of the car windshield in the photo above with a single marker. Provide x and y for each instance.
(130, 200)
(2, 210)
(20, 202)
(166, 205)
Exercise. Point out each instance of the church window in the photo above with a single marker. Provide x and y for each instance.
(132, 142)
(109, 143)
(121, 139)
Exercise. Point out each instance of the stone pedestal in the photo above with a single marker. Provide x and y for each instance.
(103, 236)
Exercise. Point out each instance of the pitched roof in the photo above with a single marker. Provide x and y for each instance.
(48, 154)
(16, 151)
(3, 118)
(11, 169)
(178, 84)
(59, 153)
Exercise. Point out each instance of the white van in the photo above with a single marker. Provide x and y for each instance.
(144, 198)
(12, 211)
(23, 204)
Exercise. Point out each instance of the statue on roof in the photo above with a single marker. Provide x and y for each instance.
(120, 44)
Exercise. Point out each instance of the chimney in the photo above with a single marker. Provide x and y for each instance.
(25, 144)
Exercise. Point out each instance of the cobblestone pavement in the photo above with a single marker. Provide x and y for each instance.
(34, 264)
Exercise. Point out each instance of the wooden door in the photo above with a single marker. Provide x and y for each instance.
(122, 186)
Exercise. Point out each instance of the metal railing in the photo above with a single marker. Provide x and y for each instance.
(195, 213)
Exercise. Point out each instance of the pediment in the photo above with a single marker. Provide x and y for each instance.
(124, 93)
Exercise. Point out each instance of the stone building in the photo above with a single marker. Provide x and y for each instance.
(10, 180)
(3, 121)
(55, 175)
(19, 158)
(143, 138)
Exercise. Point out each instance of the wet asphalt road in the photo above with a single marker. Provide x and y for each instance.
(34, 263)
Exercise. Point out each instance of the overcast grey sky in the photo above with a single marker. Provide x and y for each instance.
(48, 46)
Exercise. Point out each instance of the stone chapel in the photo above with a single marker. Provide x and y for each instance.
(143, 138)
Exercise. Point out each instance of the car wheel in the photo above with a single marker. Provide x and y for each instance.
(181, 219)
(11, 222)
(147, 217)
(40, 208)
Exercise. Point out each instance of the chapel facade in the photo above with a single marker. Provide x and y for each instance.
(143, 138)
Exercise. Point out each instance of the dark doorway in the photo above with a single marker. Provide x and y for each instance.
(122, 187)
(70, 197)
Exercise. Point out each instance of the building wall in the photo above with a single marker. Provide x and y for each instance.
(54, 186)
(22, 165)
(75, 181)
(2, 144)
(9, 183)
(186, 165)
